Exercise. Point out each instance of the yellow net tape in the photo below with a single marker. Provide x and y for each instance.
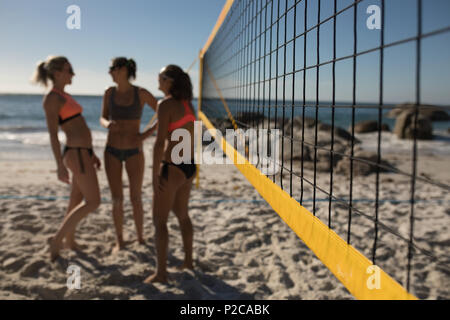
(355, 271)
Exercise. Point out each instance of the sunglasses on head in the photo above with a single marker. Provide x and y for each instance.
(164, 77)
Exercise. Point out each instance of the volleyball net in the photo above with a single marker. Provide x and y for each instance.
(323, 75)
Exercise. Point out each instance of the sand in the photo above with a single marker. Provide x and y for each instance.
(242, 248)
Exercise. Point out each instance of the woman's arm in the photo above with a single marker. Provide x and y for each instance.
(150, 127)
(104, 119)
(158, 149)
(148, 98)
(52, 105)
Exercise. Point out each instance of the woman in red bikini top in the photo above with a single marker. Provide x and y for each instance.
(172, 181)
(63, 111)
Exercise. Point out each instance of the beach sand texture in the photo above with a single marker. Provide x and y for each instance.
(242, 248)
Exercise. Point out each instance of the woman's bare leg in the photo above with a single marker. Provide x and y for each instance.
(135, 169)
(180, 208)
(113, 169)
(76, 197)
(89, 187)
(162, 205)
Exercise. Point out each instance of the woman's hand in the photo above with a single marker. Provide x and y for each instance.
(112, 124)
(96, 161)
(152, 129)
(147, 133)
(63, 174)
(140, 137)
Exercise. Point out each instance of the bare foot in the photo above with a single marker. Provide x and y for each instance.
(73, 246)
(54, 249)
(156, 278)
(186, 265)
(119, 246)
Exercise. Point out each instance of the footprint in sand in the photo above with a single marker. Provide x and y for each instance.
(23, 206)
(239, 229)
(267, 239)
(256, 278)
(13, 264)
(238, 221)
(328, 286)
(222, 239)
(228, 274)
(296, 257)
(29, 227)
(422, 292)
(286, 280)
(32, 269)
(253, 263)
(206, 266)
(174, 226)
(15, 212)
(18, 289)
(50, 291)
(264, 290)
(252, 243)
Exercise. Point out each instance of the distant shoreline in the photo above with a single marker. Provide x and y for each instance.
(76, 95)
(287, 101)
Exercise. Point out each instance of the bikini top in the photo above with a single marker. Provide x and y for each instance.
(71, 109)
(132, 112)
(188, 117)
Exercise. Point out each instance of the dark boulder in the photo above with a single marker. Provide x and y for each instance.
(369, 126)
(404, 127)
(432, 112)
(365, 164)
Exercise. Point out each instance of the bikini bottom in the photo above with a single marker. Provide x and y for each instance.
(188, 169)
(122, 154)
(80, 159)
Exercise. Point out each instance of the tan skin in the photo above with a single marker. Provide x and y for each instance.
(84, 185)
(173, 193)
(125, 134)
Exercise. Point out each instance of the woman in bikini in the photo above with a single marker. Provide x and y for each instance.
(172, 182)
(121, 115)
(78, 156)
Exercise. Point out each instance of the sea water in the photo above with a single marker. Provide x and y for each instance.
(24, 135)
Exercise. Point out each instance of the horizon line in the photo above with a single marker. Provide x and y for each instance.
(196, 97)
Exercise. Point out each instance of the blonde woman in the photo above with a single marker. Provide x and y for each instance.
(62, 111)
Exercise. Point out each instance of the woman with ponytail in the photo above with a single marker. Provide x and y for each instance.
(78, 156)
(172, 180)
(121, 115)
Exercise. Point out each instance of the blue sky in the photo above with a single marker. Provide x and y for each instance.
(158, 32)
(153, 32)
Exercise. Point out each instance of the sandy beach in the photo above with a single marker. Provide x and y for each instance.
(242, 248)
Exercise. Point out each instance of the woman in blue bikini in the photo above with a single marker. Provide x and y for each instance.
(121, 115)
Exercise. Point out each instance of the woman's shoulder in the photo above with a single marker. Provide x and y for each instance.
(167, 105)
(53, 98)
(109, 90)
(53, 102)
(168, 101)
(142, 91)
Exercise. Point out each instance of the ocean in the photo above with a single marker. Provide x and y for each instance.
(24, 135)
